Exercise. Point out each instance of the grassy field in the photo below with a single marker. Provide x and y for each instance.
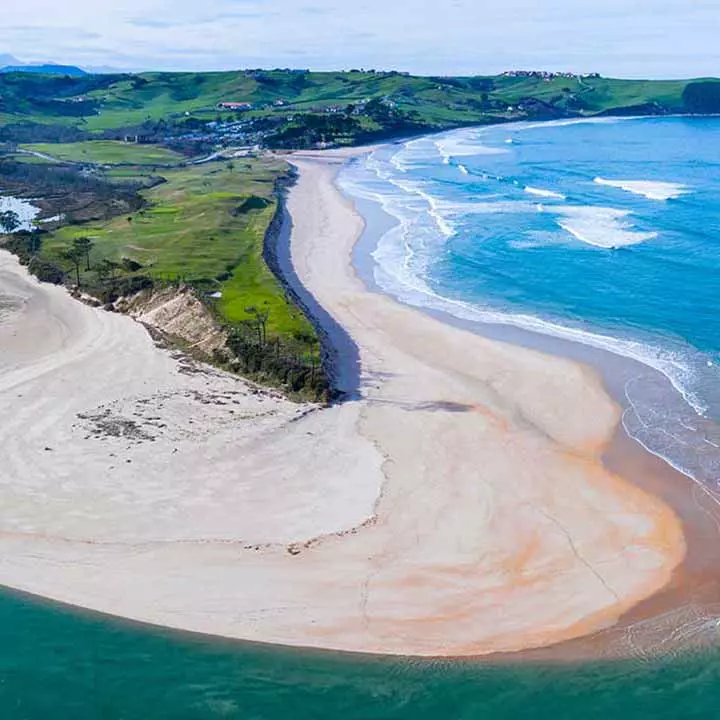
(205, 226)
(107, 152)
(31, 159)
(101, 103)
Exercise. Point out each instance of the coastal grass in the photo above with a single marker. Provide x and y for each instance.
(107, 152)
(205, 226)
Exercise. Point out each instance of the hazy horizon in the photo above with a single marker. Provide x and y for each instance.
(653, 39)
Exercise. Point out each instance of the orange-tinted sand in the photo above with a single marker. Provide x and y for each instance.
(459, 507)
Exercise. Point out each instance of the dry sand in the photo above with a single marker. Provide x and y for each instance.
(459, 506)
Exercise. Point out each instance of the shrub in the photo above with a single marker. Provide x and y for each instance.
(46, 271)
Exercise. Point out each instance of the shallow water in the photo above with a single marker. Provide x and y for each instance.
(24, 209)
(56, 662)
(604, 232)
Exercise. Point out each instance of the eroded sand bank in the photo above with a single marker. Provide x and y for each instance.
(458, 507)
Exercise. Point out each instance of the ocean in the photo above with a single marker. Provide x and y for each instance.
(602, 232)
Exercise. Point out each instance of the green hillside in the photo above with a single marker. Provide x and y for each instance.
(296, 108)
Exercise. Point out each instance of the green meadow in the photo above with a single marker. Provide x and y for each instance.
(107, 152)
(205, 225)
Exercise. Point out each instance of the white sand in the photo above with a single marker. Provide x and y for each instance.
(478, 517)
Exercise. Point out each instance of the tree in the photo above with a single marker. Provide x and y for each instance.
(310, 340)
(75, 256)
(109, 267)
(9, 221)
(84, 245)
(261, 317)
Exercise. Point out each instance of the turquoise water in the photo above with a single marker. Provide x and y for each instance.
(57, 663)
(605, 231)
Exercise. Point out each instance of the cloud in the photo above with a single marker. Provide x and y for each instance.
(615, 37)
(313, 10)
(153, 23)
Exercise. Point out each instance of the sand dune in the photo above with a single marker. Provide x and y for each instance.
(457, 507)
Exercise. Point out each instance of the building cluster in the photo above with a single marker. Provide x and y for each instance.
(235, 106)
(545, 75)
(247, 106)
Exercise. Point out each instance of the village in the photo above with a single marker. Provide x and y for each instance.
(545, 75)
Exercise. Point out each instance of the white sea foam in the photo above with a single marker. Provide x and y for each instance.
(406, 255)
(464, 144)
(484, 207)
(463, 169)
(650, 189)
(398, 276)
(403, 259)
(412, 154)
(603, 227)
(568, 122)
(433, 204)
(544, 193)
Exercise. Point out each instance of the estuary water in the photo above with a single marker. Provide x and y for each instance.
(604, 232)
(25, 211)
(57, 662)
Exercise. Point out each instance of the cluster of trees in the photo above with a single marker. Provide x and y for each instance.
(312, 128)
(75, 194)
(293, 362)
(32, 132)
(26, 245)
(78, 254)
(107, 279)
(309, 129)
(9, 221)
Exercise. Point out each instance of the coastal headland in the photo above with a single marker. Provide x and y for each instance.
(468, 498)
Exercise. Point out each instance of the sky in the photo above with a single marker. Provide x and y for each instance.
(621, 38)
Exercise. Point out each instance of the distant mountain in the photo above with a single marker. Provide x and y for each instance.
(71, 70)
(7, 59)
(107, 70)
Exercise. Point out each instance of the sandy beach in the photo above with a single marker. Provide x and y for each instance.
(457, 505)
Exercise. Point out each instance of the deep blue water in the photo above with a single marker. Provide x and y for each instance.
(602, 231)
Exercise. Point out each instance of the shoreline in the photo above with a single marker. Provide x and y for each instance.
(690, 597)
(332, 530)
(634, 370)
(540, 653)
